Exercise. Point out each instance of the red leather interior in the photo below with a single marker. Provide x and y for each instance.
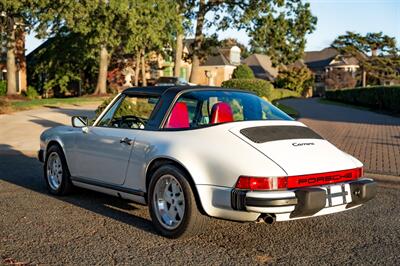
(179, 117)
(221, 113)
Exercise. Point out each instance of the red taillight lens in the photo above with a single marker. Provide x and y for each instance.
(261, 183)
(324, 178)
(273, 183)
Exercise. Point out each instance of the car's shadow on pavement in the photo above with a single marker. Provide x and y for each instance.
(25, 170)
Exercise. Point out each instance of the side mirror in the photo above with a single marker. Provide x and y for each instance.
(79, 121)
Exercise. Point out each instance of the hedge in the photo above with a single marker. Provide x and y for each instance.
(259, 86)
(278, 94)
(377, 97)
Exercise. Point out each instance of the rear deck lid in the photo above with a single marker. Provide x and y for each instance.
(297, 149)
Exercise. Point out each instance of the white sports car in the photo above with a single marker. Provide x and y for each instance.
(192, 152)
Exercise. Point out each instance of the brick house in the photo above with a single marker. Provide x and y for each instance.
(328, 59)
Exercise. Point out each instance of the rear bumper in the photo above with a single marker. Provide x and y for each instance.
(305, 201)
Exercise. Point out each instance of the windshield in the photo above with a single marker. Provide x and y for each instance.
(205, 108)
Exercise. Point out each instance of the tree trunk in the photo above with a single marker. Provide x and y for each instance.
(144, 81)
(178, 55)
(101, 87)
(137, 69)
(198, 41)
(11, 67)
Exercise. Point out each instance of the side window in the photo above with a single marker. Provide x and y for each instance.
(197, 109)
(237, 109)
(191, 106)
(131, 112)
(106, 119)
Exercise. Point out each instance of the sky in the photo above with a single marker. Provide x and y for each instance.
(335, 17)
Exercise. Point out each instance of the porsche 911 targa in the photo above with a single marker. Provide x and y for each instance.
(193, 152)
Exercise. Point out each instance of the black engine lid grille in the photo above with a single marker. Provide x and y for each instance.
(271, 133)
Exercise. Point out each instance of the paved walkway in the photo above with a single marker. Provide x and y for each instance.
(371, 137)
(20, 131)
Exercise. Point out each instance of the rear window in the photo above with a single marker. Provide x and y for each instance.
(206, 108)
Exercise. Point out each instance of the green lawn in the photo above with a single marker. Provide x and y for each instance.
(17, 105)
(287, 109)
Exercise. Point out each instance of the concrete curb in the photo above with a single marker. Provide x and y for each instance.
(384, 178)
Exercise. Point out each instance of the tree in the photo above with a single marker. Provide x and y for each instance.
(376, 53)
(277, 27)
(184, 16)
(151, 29)
(243, 72)
(101, 22)
(64, 60)
(15, 18)
(298, 79)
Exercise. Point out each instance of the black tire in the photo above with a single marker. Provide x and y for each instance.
(66, 185)
(193, 222)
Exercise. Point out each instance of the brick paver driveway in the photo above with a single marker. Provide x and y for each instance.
(371, 137)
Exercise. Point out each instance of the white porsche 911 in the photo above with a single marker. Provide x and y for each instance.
(191, 152)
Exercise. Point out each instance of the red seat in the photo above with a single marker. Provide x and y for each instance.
(221, 113)
(179, 117)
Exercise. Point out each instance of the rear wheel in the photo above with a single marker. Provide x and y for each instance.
(56, 172)
(172, 204)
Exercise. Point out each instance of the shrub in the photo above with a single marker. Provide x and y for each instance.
(339, 79)
(377, 97)
(31, 93)
(243, 72)
(261, 87)
(3, 87)
(298, 79)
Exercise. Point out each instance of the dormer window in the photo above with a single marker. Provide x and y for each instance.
(235, 55)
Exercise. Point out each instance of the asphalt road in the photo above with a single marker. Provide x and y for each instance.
(89, 228)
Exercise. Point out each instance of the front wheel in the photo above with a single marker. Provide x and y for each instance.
(56, 172)
(172, 204)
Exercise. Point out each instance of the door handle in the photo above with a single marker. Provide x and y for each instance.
(126, 140)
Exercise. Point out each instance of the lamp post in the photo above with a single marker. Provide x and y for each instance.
(210, 75)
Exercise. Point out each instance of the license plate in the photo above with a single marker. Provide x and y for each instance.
(337, 195)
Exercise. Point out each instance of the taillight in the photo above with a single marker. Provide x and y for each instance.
(261, 183)
(290, 182)
(324, 178)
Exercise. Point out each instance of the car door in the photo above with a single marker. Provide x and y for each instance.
(103, 150)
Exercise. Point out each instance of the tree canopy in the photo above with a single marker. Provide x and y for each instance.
(377, 54)
(109, 25)
(276, 27)
(102, 27)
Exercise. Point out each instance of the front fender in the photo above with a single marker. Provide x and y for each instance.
(64, 137)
